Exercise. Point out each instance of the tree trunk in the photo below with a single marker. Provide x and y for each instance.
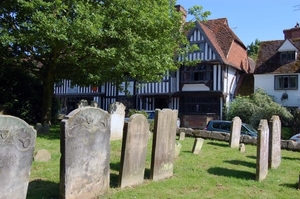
(48, 90)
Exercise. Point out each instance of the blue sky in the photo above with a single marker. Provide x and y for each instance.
(255, 19)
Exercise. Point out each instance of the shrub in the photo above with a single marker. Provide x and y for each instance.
(251, 109)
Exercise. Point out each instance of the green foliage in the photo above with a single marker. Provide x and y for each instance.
(251, 109)
(253, 49)
(19, 94)
(198, 13)
(92, 42)
(134, 111)
(296, 122)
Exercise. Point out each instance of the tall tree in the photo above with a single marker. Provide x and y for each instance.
(253, 49)
(91, 41)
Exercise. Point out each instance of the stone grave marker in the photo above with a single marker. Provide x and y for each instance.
(262, 150)
(198, 143)
(235, 134)
(178, 147)
(182, 136)
(17, 142)
(275, 142)
(85, 153)
(163, 146)
(117, 111)
(134, 151)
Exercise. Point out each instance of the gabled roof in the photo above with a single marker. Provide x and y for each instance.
(229, 48)
(268, 59)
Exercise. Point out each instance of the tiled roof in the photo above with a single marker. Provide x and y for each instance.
(230, 48)
(268, 60)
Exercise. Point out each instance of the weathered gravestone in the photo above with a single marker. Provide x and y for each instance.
(17, 142)
(178, 147)
(85, 153)
(198, 143)
(163, 146)
(262, 150)
(134, 151)
(182, 136)
(117, 111)
(275, 142)
(235, 134)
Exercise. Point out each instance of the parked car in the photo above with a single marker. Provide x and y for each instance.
(225, 126)
(296, 137)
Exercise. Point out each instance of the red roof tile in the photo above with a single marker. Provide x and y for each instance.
(229, 47)
(268, 60)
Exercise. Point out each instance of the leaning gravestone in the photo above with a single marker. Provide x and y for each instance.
(134, 151)
(85, 153)
(235, 134)
(163, 146)
(117, 111)
(17, 142)
(198, 143)
(275, 142)
(262, 151)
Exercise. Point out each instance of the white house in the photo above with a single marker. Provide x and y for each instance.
(278, 67)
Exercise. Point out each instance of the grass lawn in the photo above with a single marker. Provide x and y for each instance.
(217, 172)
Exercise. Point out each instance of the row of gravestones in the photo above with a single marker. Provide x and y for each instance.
(268, 144)
(85, 152)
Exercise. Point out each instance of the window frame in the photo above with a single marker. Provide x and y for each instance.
(283, 82)
(287, 56)
(201, 73)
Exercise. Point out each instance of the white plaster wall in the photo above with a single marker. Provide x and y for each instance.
(266, 82)
(195, 87)
(229, 83)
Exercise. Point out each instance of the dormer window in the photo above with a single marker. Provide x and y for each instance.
(287, 56)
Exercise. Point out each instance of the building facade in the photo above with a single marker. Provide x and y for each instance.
(199, 93)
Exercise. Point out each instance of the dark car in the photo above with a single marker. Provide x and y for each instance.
(224, 126)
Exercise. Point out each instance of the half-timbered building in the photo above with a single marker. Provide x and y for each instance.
(199, 92)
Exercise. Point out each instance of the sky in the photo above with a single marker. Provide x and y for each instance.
(264, 20)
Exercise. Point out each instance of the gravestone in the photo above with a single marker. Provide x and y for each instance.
(235, 132)
(262, 150)
(163, 145)
(178, 147)
(117, 111)
(85, 153)
(134, 151)
(275, 142)
(242, 148)
(42, 155)
(17, 142)
(198, 143)
(182, 136)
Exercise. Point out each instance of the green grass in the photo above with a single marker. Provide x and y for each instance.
(217, 172)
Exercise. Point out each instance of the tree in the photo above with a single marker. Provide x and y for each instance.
(253, 49)
(251, 109)
(91, 41)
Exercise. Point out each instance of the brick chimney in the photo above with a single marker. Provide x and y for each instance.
(181, 9)
(292, 33)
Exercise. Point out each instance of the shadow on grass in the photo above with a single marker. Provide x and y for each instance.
(38, 189)
(114, 178)
(218, 144)
(290, 185)
(251, 156)
(289, 158)
(231, 173)
(243, 163)
(53, 134)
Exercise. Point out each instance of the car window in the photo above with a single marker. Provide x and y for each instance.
(222, 125)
